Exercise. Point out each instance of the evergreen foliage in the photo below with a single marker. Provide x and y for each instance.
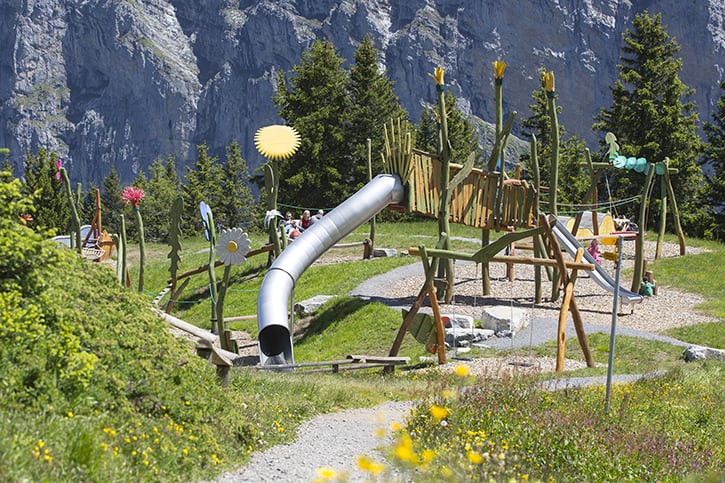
(374, 103)
(651, 117)
(111, 203)
(316, 102)
(161, 189)
(237, 207)
(41, 182)
(573, 182)
(461, 132)
(714, 159)
(204, 181)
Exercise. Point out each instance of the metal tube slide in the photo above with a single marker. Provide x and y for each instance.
(275, 334)
(600, 274)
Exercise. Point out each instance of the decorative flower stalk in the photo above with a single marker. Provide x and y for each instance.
(499, 67)
(445, 267)
(274, 143)
(134, 196)
(62, 174)
(207, 220)
(548, 78)
(232, 249)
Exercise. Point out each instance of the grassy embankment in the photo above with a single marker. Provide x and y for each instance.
(124, 401)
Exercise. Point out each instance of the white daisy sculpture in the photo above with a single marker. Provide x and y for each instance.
(233, 246)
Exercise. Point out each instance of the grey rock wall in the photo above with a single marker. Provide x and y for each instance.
(114, 82)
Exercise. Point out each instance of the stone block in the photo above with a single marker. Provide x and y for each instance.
(385, 252)
(460, 337)
(457, 321)
(505, 321)
(310, 306)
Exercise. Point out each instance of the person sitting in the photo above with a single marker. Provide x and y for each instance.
(594, 251)
(292, 230)
(317, 216)
(305, 221)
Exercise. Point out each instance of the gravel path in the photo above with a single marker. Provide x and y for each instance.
(332, 441)
(337, 440)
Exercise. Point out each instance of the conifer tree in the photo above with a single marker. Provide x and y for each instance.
(316, 102)
(652, 118)
(161, 189)
(112, 205)
(203, 183)
(573, 183)
(714, 159)
(461, 132)
(374, 103)
(237, 208)
(6, 168)
(51, 205)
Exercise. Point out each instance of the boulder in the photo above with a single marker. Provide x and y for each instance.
(310, 306)
(699, 353)
(505, 321)
(385, 252)
(463, 337)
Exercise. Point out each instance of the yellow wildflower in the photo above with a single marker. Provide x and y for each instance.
(462, 370)
(367, 464)
(475, 457)
(439, 412)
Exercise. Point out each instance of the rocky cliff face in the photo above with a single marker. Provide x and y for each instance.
(121, 82)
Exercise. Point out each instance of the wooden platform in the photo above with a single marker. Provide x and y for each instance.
(352, 362)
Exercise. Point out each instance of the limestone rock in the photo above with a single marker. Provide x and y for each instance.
(698, 353)
(385, 252)
(505, 321)
(122, 83)
(310, 306)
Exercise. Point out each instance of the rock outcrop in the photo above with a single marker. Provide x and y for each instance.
(125, 81)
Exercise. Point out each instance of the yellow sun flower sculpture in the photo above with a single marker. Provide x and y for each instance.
(276, 141)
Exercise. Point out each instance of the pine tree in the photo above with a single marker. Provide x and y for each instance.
(651, 117)
(316, 102)
(6, 168)
(374, 104)
(573, 183)
(162, 189)
(112, 205)
(51, 206)
(237, 208)
(461, 132)
(714, 159)
(203, 183)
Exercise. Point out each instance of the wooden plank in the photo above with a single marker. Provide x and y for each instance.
(379, 359)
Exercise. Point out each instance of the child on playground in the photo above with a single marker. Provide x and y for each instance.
(594, 251)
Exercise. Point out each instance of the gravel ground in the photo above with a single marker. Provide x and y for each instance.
(336, 440)
(332, 441)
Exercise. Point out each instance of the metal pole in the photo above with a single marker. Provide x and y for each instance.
(615, 310)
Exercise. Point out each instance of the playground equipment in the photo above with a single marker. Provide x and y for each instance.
(275, 336)
(600, 275)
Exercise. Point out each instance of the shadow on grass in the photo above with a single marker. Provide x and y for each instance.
(334, 311)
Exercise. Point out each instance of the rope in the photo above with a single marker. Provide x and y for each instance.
(601, 208)
(312, 210)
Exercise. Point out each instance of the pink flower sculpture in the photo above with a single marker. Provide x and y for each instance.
(132, 195)
(58, 165)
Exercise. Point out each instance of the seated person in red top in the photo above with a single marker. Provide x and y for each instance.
(293, 230)
(305, 220)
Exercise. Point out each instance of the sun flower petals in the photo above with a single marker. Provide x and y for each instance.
(277, 141)
(233, 246)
